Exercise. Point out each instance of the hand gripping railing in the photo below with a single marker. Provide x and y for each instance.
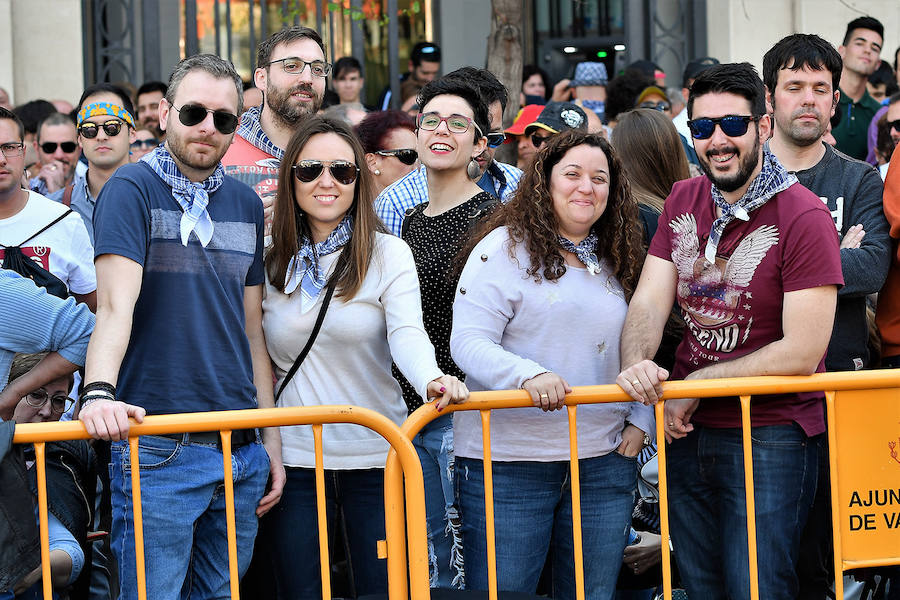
(744, 388)
(226, 422)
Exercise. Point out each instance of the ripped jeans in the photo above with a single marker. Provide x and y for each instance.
(435, 447)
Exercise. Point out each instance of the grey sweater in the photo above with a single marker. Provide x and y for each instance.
(852, 191)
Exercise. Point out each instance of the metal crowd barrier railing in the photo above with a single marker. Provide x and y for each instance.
(855, 391)
(410, 484)
(861, 408)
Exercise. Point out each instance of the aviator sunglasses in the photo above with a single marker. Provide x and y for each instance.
(193, 114)
(405, 155)
(732, 126)
(90, 130)
(50, 147)
(341, 171)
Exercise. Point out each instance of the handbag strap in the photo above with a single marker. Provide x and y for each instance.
(312, 337)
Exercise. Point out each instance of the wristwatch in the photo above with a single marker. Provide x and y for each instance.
(647, 440)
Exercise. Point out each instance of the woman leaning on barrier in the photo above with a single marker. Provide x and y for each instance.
(540, 306)
(327, 239)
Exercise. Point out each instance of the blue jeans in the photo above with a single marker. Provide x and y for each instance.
(293, 527)
(533, 515)
(435, 447)
(708, 509)
(183, 504)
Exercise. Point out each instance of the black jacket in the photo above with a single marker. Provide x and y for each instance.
(20, 550)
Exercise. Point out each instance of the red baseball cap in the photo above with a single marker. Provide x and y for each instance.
(526, 117)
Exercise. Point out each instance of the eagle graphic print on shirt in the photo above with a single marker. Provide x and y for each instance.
(716, 302)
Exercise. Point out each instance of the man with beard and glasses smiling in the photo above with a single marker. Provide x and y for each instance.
(752, 258)
(801, 73)
(290, 72)
(179, 262)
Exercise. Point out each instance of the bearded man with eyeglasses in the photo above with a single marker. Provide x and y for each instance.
(752, 258)
(290, 71)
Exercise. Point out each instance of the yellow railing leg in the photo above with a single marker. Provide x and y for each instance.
(141, 572)
(751, 497)
(230, 528)
(576, 502)
(663, 501)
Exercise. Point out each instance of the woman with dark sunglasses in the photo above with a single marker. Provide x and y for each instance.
(389, 140)
(327, 239)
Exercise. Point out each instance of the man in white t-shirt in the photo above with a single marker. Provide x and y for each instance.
(64, 248)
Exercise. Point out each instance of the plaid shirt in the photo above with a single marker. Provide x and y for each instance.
(412, 189)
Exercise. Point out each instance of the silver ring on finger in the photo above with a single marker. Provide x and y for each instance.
(636, 383)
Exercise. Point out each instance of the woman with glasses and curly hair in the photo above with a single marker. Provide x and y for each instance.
(540, 306)
(327, 239)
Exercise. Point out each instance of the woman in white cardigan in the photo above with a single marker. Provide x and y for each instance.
(540, 306)
(326, 235)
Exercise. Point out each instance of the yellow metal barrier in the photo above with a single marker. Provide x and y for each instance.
(883, 384)
(395, 491)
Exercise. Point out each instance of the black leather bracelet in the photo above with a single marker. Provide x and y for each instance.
(99, 385)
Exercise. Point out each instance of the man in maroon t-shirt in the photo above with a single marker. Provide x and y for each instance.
(752, 259)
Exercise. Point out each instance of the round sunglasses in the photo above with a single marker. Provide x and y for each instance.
(731, 125)
(193, 114)
(405, 155)
(341, 171)
(90, 130)
(50, 147)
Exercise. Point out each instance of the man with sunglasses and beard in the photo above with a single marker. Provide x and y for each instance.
(179, 257)
(752, 258)
(500, 180)
(290, 71)
(802, 73)
(105, 131)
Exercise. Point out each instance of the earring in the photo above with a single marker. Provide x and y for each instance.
(473, 170)
(377, 172)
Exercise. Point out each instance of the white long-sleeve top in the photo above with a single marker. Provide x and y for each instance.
(508, 328)
(350, 360)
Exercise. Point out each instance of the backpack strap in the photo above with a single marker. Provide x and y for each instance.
(46, 227)
(67, 195)
(482, 210)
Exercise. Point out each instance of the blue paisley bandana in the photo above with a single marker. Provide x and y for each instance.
(193, 197)
(304, 270)
(585, 251)
(772, 179)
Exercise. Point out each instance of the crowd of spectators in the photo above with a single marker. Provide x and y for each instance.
(283, 243)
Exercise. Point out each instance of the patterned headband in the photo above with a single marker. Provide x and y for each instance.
(105, 108)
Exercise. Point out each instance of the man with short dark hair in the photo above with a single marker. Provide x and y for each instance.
(424, 66)
(860, 52)
(691, 71)
(801, 73)
(752, 258)
(38, 228)
(31, 114)
(147, 101)
(105, 133)
(290, 71)
(57, 149)
(497, 179)
(179, 257)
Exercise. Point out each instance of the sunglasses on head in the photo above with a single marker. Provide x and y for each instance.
(341, 171)
(193, 114)
(661, 106)
(59, 403)
(537, 140)
(405, 155)
(732, 126)
(50, 147)
(145, 144)
(90, 130)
